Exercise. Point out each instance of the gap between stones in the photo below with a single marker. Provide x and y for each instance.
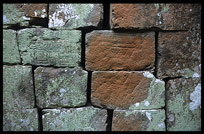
(109, 119)
(156, 54)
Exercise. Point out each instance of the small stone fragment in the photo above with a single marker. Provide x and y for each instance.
(138, 120)
(72, 16)
(20, 120)
(163, 16)
(127, 90)
(107, 50)
(184, 104)
(74, 119)
(18, 89)
(22, 14)
(60, 87)
(10, 48)
(42, 46)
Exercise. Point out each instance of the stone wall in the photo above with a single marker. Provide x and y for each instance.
(102, 67)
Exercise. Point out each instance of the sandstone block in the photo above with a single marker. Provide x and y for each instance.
(22, 14)
(179, 54)
(10, 47)
(21, 120)
(72, 16)
(164, 16)
(127, 90)
(18, 89)
(107, 50)
(138, 120)
(60, 87)
(184, 105)
(41, 46)
(74, 119)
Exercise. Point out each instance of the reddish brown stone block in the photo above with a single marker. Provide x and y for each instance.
(107, 50)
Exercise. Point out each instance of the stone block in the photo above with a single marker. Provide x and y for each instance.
(60, 87)
(127, 90)
(74, 119)
(107, 50)
(42, 46)
(72, 16)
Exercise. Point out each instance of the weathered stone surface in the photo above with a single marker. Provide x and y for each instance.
(22, 13)
(179, 54)
(20, 120)
(18, 90)
(74, 119)
(164, 16)
(107, 50)
(60, 87)
(72, 16)
(138, 120)
(10, 48)
(41, 46)
(184, 105)
(127, 90)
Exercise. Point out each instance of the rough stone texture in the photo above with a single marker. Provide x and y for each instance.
(107, 50)
(60, 87)
(41, 46)
(72, 16)
(138, 120)
(20, 120)
(127, 90)
(22, 14)
(164, 16)
(18, 89)
(74, 119)
(184, 105)
(10, 48)
(179, 54)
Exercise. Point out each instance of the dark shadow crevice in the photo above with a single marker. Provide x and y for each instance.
(109, 119)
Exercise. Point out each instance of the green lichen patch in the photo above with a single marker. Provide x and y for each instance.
(156, 94)
(72, 16)
(10, 48)
(74, 119)
(60, 87)
(184, 105)
(139, 120)
(20, 120)
(41, 46)
(17, 87)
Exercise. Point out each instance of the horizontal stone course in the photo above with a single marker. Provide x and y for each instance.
(74, 119)
(60, 87)
(127, 90)
(138, 120)
(107, 50)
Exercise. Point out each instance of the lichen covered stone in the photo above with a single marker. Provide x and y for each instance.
(18, 89)
(22, 14)
(10, 47)
(20, 120)
(42, 46)
(163, 16)
(138, 120)
(184, 104)
(127, 90)
(74, 119)
(60, 87)
(72, 16)
(107, 50)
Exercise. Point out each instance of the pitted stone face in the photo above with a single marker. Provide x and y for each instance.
(71, 16)
(60, 88)
(75, 119)
(138, 120)
(127, 90)
(184, 104)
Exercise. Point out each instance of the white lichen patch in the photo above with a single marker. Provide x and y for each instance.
(5, 20)
(196, 75)
(159, 81)
(137, 104)
(146, 103)
(161, 125)
(195, 98)
(148, 116)
(62, 90)
(148, 74)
